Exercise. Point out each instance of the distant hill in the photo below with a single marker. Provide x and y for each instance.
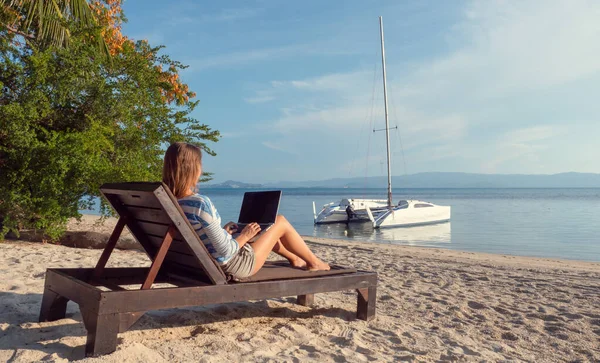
(232, 184)
(454, 180)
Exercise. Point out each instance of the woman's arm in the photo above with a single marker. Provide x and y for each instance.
(242, 240)
(247, 234)
(201, 210)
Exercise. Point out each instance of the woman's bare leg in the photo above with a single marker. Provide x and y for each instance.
(295, 261)
(283, 231)
(279, 249)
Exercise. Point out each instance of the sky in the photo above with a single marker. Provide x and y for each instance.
(295, 87)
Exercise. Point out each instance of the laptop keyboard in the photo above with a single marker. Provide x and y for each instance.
(263, 227)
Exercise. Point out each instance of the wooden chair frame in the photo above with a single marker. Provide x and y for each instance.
(180, 259)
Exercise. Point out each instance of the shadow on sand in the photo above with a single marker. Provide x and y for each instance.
(22, 331)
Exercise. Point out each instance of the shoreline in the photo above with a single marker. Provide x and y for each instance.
(438, 252)
(93, 232)
(432, 305)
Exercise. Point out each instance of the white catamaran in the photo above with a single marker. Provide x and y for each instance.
(383, 213)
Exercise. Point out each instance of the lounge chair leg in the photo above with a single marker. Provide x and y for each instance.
(54, 306)
(366, 303)
(102, 331)
(127, 320)
(306, 300)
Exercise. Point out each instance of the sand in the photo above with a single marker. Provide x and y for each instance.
(432, 305)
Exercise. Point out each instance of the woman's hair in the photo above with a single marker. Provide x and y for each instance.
(181, 165)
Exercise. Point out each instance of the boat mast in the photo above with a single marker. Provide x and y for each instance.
(387, 123)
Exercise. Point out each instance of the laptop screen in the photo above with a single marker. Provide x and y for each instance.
(260, 207)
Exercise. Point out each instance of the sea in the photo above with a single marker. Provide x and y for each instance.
(553, 223)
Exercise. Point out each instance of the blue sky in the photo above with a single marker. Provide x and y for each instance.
(473, 86)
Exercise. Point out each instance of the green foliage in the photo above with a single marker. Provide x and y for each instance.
(70, 120)
(46, 22)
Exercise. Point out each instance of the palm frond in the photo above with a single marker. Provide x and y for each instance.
(49, 19)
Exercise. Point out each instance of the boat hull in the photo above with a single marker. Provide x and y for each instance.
(409, 217)
(333, 217)
(337, 212)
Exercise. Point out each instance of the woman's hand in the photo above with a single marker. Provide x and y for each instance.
(230, 227)
(251, 230)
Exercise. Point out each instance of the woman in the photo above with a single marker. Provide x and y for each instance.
(238, 258)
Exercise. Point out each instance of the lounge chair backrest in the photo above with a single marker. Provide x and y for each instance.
(150, 209)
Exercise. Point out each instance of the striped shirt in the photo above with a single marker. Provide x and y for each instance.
(206, 221)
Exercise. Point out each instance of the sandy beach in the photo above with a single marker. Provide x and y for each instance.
(432, 305)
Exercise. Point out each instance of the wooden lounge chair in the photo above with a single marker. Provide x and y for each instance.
(110, 305)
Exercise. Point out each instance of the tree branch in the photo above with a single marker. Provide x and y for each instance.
(18, 32)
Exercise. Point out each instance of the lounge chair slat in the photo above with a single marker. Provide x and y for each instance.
(186, 279)
(180, 269)
(132, 186)
(135, 194)
(149, 215)
(154, 232)
(179, 253)
(154, 229)
(117, 272)
(281, 270)
(143, 201)
(135, 276)
(108, 284)
(183, 259)
(132, 225)
(178, 245)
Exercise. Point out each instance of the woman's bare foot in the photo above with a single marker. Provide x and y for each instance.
(319, 266)
(298, 263)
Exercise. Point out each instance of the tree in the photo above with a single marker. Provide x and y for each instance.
(71, 120)
(46, 21)
(43, 23)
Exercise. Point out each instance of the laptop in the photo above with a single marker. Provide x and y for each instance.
(260, 207)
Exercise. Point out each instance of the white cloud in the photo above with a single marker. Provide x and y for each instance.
(336, 81)
(528, 135)
(242, 57)
(480, 106)
(329, 118)
(525, 145)
(259, 99)
(368, 165)
(249, 56)
(417, 128)
(421, 128)
(518, 46)
(233, 14)
(185, 15)
(279, 146)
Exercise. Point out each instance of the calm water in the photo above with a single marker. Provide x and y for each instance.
(562, 223)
